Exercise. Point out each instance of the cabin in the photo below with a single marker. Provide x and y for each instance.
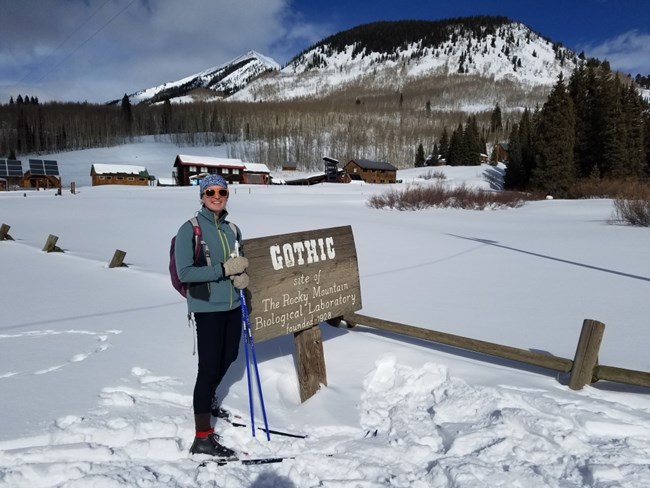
(31, 180)
(166, 182)
(42, 173)
(500, 152)
(370, 171)
(11, 173)
(289, 166)
(256, 174)
(188, 170)
(119, 174)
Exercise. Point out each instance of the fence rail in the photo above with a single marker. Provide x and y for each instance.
(579, 376)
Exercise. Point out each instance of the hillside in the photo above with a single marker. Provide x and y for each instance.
(462, 62)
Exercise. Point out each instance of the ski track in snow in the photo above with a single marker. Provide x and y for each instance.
(453, 435)
(101, 337)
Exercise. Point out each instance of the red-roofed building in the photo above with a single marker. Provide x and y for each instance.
(188, 170)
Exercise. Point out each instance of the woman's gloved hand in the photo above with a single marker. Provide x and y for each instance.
(235, 266)
(240, 281)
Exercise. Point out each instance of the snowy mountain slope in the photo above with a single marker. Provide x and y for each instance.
(222, 80)
(512, 53)
(387, 56)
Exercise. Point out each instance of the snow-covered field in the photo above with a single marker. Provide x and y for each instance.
(97, 371)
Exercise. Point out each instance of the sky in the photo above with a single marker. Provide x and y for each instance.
(98, 50)
(97, 371)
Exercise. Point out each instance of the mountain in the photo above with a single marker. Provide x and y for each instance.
(495, 53)
(220, 81)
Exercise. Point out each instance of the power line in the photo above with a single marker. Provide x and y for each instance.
(56, 66)
(57, 48)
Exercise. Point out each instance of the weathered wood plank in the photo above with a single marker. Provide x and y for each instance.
(310, 360)
(498, 350)
(586, 357)
(621, 375)
(50, 244)
(4, 233)
(118, 259)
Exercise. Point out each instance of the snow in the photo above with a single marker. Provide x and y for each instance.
(539, 69)
(126, 169)
(97, 371)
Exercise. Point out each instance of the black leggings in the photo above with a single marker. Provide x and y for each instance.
(218, 335)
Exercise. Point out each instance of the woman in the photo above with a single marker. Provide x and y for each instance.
(214, 281)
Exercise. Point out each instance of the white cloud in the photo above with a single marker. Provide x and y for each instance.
(628, 52)
(84, 50)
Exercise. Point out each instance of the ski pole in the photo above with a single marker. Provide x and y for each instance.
(247, 331)
(249, 343)
(248, 376)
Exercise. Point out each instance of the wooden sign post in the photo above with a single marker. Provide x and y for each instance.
(298, 281)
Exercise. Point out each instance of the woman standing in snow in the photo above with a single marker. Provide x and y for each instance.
(214, 281)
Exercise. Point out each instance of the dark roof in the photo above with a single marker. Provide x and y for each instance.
(367, 164)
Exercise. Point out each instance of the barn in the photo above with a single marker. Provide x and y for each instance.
(119, 174)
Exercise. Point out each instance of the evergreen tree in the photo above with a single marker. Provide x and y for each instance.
(555, 172)
(456, 147)
(166, 117)
(646, 130)
(496, 123)
(472, 146)
(419, 156)
(613, 131)
(633, 109)
(514, 178)
(127, 116)
(443, 147)
(587, 150)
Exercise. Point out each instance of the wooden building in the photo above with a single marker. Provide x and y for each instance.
(256, 174)
(500, 152)
(188, 170)
(370, 171)
(11, 172)
(289, 166)
(31, 180)
(43, 173)
(119, 174)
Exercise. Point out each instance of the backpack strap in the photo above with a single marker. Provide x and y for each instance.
(197, 238)
(200, 244)
(235, 229)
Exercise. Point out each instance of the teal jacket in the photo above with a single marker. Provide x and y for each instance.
(209, 290)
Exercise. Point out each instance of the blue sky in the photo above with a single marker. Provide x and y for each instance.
(97, 50)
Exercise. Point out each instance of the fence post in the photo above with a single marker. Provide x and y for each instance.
(50, 244)
(311, 361)
(586, 358)
(4, 233)
(118, 259)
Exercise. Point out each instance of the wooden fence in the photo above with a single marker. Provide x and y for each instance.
(584, 368)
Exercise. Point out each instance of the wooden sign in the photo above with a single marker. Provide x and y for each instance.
(299, 280)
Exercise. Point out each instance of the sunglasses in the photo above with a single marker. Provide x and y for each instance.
(211, 192)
